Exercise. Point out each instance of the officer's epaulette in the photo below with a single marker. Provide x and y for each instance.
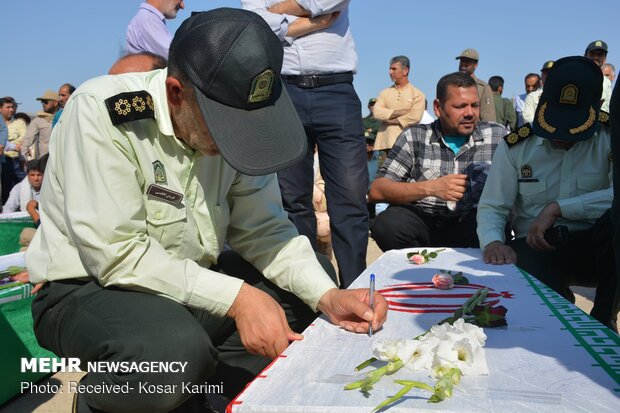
(130, 106)
(603, 117)
(519, 135)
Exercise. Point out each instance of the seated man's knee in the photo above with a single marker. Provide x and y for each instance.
(189, 358)
(390, 230)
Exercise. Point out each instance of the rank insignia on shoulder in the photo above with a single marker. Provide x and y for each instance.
(130, 106)
(603, 117)
(611, 157)
(519, 135)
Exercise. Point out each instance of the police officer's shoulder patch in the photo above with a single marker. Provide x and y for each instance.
(603, 117)
(519, 135)
(130, 106)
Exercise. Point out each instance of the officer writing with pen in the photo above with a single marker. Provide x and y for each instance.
(554, 181)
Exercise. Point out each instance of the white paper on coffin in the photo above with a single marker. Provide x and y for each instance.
(543, 361)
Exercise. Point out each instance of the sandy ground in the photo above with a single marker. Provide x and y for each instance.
(61, 403)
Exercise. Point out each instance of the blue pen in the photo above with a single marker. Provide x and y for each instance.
(372, 300)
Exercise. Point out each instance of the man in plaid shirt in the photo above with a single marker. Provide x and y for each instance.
(434, 175)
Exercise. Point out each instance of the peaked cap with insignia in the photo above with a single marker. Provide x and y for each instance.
(234, 59)
(570, 102)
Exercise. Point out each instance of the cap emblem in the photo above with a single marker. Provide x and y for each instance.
(542, 121)
(569, 94)
(598, 43)
(262, 86)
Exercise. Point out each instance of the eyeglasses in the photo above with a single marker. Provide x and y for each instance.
(45, 101)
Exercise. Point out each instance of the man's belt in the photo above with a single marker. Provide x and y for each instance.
(312, 81)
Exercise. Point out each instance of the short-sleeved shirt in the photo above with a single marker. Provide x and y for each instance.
(147, 32)
(421, 154)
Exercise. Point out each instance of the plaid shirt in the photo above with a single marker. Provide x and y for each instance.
(420, 154)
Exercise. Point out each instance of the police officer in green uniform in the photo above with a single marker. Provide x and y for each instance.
(154, 174)
(371, 124)
(554, 182)
(614, 113)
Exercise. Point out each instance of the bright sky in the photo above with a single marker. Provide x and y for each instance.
(48, 43)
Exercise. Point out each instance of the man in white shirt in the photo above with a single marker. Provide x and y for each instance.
(26, 190)
(532, 83)
(319, 63)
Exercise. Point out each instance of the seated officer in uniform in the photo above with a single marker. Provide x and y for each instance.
(554, 182)
(614, 113)
(156, 171)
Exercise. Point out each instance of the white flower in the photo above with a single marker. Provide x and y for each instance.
(470, 359)
(420, 355)
(475, 333)
(386, 349)
(440, 331)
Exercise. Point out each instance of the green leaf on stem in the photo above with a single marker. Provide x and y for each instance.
(459, 279)
(366, 363)
(407, 386)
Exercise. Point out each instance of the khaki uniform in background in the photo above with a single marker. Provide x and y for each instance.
(487, 105)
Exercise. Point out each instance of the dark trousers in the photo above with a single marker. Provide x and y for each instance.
(406, 226)
(587, 260)
(331, 116)
(85, 320)
(12, 173)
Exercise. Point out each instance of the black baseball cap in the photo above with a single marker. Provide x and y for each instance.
(570, 102)
(234, 59)
(597, 45)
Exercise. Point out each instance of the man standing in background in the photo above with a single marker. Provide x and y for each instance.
(532, 83)
(468, 63)
(319, 62)
(531, 101)
(609, 71)
(40, 129)
(597, 51)
(398, 106)
(4, 136)
(371, 124)
(64, 93)
(504, 110)
(13, 170)
(147, 31)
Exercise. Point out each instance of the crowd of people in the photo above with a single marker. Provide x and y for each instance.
(224, 182)
(458, 181)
